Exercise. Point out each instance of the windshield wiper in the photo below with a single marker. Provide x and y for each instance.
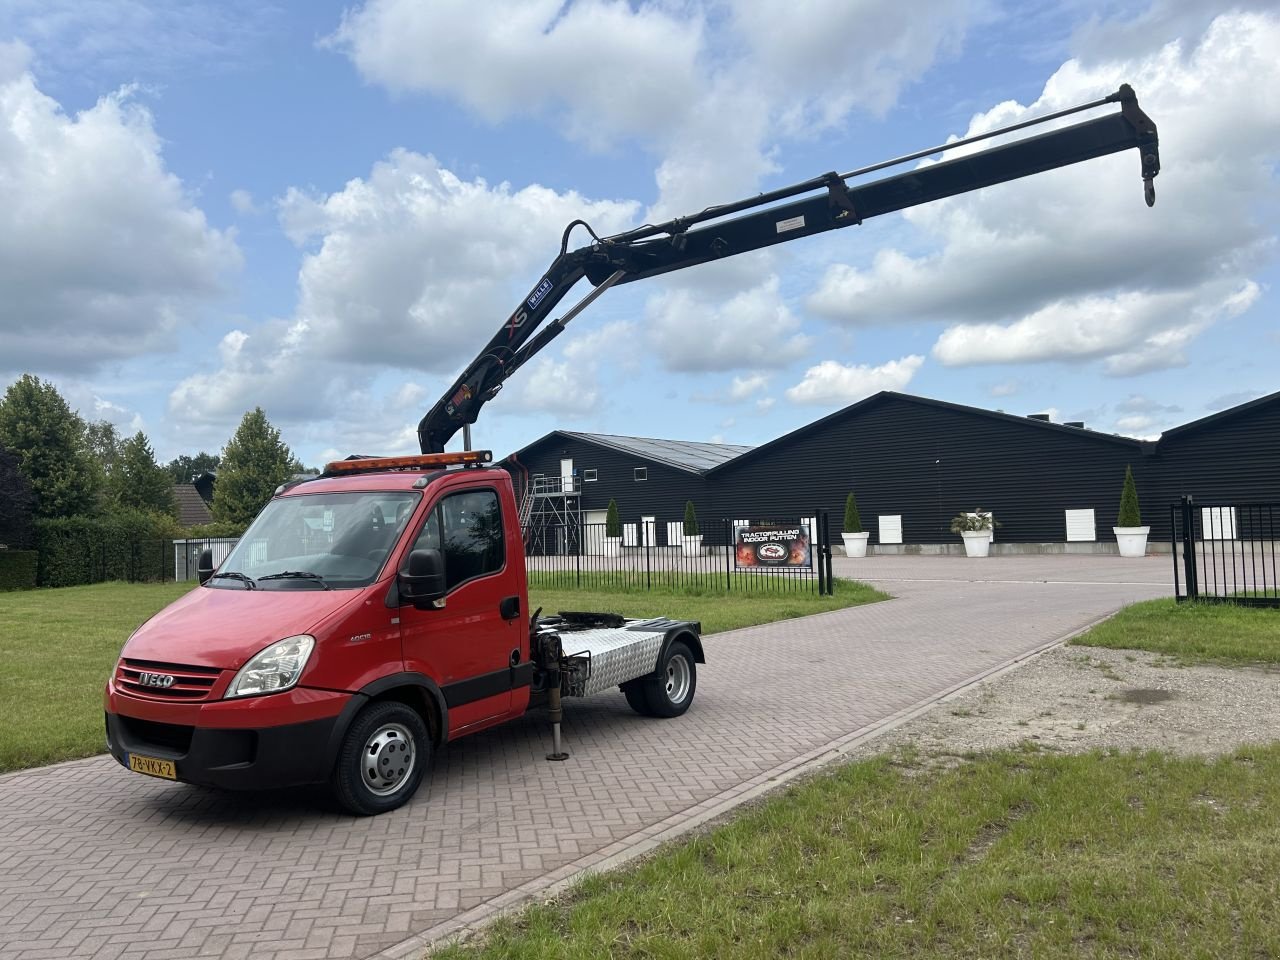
(297, 575)
(237, 575)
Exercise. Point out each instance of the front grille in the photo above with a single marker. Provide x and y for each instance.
(189, 683)
(148, 733)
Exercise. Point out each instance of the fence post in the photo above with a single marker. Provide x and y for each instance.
(728, 555)
(1189, 549)
(826, 551)
(816, 540)
(1173, 549)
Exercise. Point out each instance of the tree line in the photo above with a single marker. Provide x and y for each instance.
(54, 464)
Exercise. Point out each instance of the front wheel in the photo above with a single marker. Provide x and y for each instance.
(669, 690)
(382, 759)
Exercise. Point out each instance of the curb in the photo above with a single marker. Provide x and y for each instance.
(645, 841)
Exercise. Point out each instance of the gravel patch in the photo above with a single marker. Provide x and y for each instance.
(1077, 699)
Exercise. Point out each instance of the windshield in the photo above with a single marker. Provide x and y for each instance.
(318, 541)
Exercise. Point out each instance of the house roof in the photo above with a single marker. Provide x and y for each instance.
(692, 456)
(886, 395)
(1221, 415)
(192, 510)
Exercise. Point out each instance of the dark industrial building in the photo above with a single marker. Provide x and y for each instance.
(914, 463)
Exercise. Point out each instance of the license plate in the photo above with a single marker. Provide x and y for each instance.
(153, 766)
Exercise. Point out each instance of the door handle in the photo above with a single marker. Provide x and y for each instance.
(509, 608)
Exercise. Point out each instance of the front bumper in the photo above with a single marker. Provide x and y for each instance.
(224, 744)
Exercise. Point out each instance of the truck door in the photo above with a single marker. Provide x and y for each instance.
(467, 646)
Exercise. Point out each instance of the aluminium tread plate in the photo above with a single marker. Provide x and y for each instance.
(619, 654)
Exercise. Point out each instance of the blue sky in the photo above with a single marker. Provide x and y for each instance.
(326, 210)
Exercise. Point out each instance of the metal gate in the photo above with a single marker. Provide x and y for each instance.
(1226, 552)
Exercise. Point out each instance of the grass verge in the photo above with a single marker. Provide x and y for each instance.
(1021, 854)
(1192, 632)
(57, 648)
(716, 608)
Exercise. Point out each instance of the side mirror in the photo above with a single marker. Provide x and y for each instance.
(204, 566)
(422, 584)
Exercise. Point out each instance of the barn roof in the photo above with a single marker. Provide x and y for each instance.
(885, 396)
(692, 456)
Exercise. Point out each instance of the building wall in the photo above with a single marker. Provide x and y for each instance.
(1233, 460)
(928, 463)
(662, 495)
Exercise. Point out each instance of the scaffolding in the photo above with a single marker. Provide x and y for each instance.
(551, 516)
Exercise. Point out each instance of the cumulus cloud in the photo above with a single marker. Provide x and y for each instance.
(103, 253)
(1131, 331)
(411, 268)
(753, 329)
(830, 383)
(1070, 264)
(1137, 403)
(417, 267)
(708, 88)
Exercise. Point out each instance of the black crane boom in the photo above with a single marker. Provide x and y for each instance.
(813, 206)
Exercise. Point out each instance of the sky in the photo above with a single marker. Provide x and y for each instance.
(326, 210)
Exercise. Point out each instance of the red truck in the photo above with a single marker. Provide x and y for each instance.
(374, 613)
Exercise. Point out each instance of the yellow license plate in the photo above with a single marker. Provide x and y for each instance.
(153, 767)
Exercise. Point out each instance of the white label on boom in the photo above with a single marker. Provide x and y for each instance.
(795, 223)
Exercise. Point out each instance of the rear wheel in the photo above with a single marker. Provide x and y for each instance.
(382, 759)
(669, 690)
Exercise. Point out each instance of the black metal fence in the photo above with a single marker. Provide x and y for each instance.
(1226, 552)
(787, 555)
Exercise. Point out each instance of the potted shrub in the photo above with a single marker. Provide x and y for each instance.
(976, 529)
(855, 539)
(692, 541)
(612, 531)
(1131, 535)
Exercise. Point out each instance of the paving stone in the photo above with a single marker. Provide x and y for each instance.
(99, 863)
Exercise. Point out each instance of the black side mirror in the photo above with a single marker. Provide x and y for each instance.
(204, 566)
(422, 584)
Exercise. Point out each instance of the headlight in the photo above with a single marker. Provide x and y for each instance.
(274, 669)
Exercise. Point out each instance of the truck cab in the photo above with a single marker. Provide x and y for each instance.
(365, 618)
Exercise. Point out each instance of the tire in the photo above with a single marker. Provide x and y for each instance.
(669, 690)
(395, 738)
(637, 700)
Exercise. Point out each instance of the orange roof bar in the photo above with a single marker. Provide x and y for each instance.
(418, 462)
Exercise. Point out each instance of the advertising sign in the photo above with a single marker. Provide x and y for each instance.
(759, 544)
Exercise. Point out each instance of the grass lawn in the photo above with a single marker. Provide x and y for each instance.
(1013, 855)
(1192, 632)
(715, 608)
(57, 648)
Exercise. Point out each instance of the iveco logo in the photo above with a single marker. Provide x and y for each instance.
(162, 680)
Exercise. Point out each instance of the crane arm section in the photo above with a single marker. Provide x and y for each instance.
(804, 209)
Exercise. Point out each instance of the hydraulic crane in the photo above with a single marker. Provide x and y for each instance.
(823, 203)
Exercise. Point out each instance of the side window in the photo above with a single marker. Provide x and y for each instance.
(429, 537)
(470, 527)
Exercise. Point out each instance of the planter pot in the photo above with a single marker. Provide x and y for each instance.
(855, 544)
(691, 545)
(977, 543)
(613, 546)
(1132, 540)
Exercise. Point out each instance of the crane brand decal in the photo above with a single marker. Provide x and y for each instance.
(540, 291)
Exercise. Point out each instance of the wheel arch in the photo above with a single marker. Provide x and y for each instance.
(688, 635)
(414, 690)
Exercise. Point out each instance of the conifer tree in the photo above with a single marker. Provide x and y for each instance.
(254, 462)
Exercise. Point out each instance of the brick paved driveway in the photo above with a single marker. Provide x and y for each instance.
(96, 862)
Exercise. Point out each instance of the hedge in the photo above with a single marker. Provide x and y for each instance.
(17, 569)
(123, 546)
